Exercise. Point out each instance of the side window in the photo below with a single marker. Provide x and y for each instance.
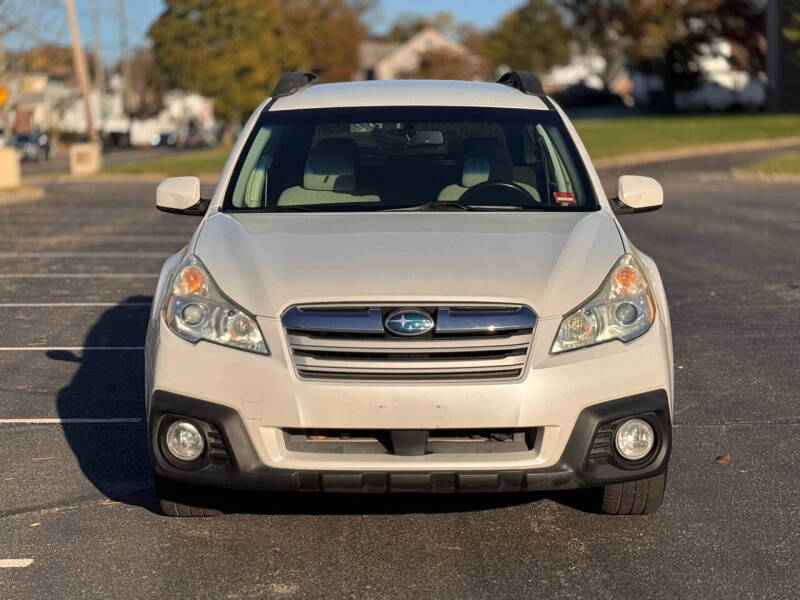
(251, 186)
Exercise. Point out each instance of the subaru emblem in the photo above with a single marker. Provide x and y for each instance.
(409, 321)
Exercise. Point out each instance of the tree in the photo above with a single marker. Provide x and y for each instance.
(235, 50)
(532, 37)
(667, 36)
(623, 30)
(740, 22)
(791, 31)
(230, 50)
(408, 25)
(331, 32)
(146, 85)
(26, 20)
(444, 63)
(29, 17)
(49, 58)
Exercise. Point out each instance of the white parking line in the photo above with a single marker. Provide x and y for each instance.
(77, 275)
(87, 421)
(68, 348)
(84, 254)
(68, 304)
(15, 563)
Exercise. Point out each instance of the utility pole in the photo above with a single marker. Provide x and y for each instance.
(126, 60)
(99, 72)
(4, 113)
(79, 58)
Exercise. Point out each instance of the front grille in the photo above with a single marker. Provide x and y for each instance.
(467, 342)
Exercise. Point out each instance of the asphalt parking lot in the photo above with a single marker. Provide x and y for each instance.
(78, 517)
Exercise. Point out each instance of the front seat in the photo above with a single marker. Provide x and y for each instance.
(254, 191)
(484, 159)
(329, 176)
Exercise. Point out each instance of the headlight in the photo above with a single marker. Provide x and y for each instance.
(622, 309)
(196, 310)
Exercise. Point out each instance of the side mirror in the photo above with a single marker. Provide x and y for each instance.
(637, 194)
(181, 195)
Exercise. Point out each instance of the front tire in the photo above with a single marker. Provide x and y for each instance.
(186, 500)
(639, 497)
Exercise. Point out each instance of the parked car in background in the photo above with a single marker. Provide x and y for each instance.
(409, 286)
(33, 146)
(168, 139)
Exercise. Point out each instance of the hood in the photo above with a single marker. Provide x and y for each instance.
(551, 261)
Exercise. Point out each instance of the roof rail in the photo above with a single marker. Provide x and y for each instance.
(525, 81)
(292, 82)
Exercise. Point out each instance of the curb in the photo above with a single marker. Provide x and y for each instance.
(640, 158)
(762, 177)
(25, 193)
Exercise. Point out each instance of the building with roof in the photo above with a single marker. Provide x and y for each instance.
(379, 59)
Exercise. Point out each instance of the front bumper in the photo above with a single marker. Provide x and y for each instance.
(587, 460)
(268, 396)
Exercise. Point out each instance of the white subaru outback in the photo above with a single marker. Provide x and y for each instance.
(409, 286)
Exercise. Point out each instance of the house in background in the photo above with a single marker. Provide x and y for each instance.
(379, 59)
(721, 86)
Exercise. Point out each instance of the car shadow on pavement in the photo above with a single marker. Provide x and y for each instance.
(113, 455)
(398, 504)
(108, 385)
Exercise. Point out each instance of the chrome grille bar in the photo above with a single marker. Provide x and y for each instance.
(469, 342)
(357, 321)
(449, 321)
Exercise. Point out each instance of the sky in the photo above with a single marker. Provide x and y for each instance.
(482, 13)
(140, 13)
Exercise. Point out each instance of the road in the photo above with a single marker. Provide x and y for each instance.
(78, 516)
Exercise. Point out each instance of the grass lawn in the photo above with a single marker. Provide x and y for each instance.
(186, 162)
(629, 135)
(603, 138)
(786, 164)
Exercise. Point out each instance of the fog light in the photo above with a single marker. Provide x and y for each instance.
(185, 441)
(634, 439)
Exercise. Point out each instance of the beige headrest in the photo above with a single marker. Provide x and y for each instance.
(330, 166)
(485, 159)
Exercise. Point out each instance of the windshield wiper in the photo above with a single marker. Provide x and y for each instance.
(439, 205)
(357, 207)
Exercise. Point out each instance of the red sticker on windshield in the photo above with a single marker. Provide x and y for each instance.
(565, 198)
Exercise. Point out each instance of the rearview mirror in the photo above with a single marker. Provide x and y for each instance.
(637, 194)
(181, 195)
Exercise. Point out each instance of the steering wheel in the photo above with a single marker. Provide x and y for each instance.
(499, 193)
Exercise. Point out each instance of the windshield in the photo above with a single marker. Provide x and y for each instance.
(427, 158)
